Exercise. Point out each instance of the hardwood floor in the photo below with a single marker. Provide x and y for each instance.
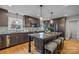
(18, 49)
(70, 47)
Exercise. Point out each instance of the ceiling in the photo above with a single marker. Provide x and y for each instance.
(34, 10)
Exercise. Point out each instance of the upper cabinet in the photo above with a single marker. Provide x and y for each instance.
(3, 17)
(60, 24)
(31, 21)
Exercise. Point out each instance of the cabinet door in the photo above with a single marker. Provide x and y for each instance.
(2, 41)
(18, 38)
(14, 40)
(38, 44)
(3, 20)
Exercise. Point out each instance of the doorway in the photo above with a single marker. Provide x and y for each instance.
(74, 29)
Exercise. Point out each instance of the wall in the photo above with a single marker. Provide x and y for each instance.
(13, 15)
(75, 26)
(4, 16)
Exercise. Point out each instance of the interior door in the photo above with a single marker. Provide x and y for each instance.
(74, 29)
(77, 28)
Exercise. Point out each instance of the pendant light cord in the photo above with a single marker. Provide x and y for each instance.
(51, 15)
(41, 10)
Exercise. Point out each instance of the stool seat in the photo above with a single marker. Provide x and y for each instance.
(51, 46)
(58, 41)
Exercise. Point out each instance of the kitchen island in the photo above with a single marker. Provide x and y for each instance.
(40, 39)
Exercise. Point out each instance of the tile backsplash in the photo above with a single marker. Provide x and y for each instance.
(4, 30)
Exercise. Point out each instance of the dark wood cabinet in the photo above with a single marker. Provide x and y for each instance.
(13, 39)
(3, 17)
(39, 44)
(2, 41)
(31, 21)
(17, 38)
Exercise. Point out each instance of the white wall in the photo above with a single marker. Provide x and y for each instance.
(75, 26)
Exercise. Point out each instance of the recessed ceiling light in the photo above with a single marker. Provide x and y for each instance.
(38, 15)
(66, 5)
(10, 5)
(66, 15)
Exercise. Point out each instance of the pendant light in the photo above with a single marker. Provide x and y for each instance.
(17, 18)
(51, 21)
(41, 18)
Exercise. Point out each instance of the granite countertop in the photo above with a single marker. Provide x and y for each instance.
(43, 35)
(8, 32)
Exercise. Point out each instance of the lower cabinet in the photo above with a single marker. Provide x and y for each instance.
(17, 38)
(39, 44)
(12, 39)
(2, 41)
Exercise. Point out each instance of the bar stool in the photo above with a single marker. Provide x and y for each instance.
(62, 42)
(51, 46)
(58, 41)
